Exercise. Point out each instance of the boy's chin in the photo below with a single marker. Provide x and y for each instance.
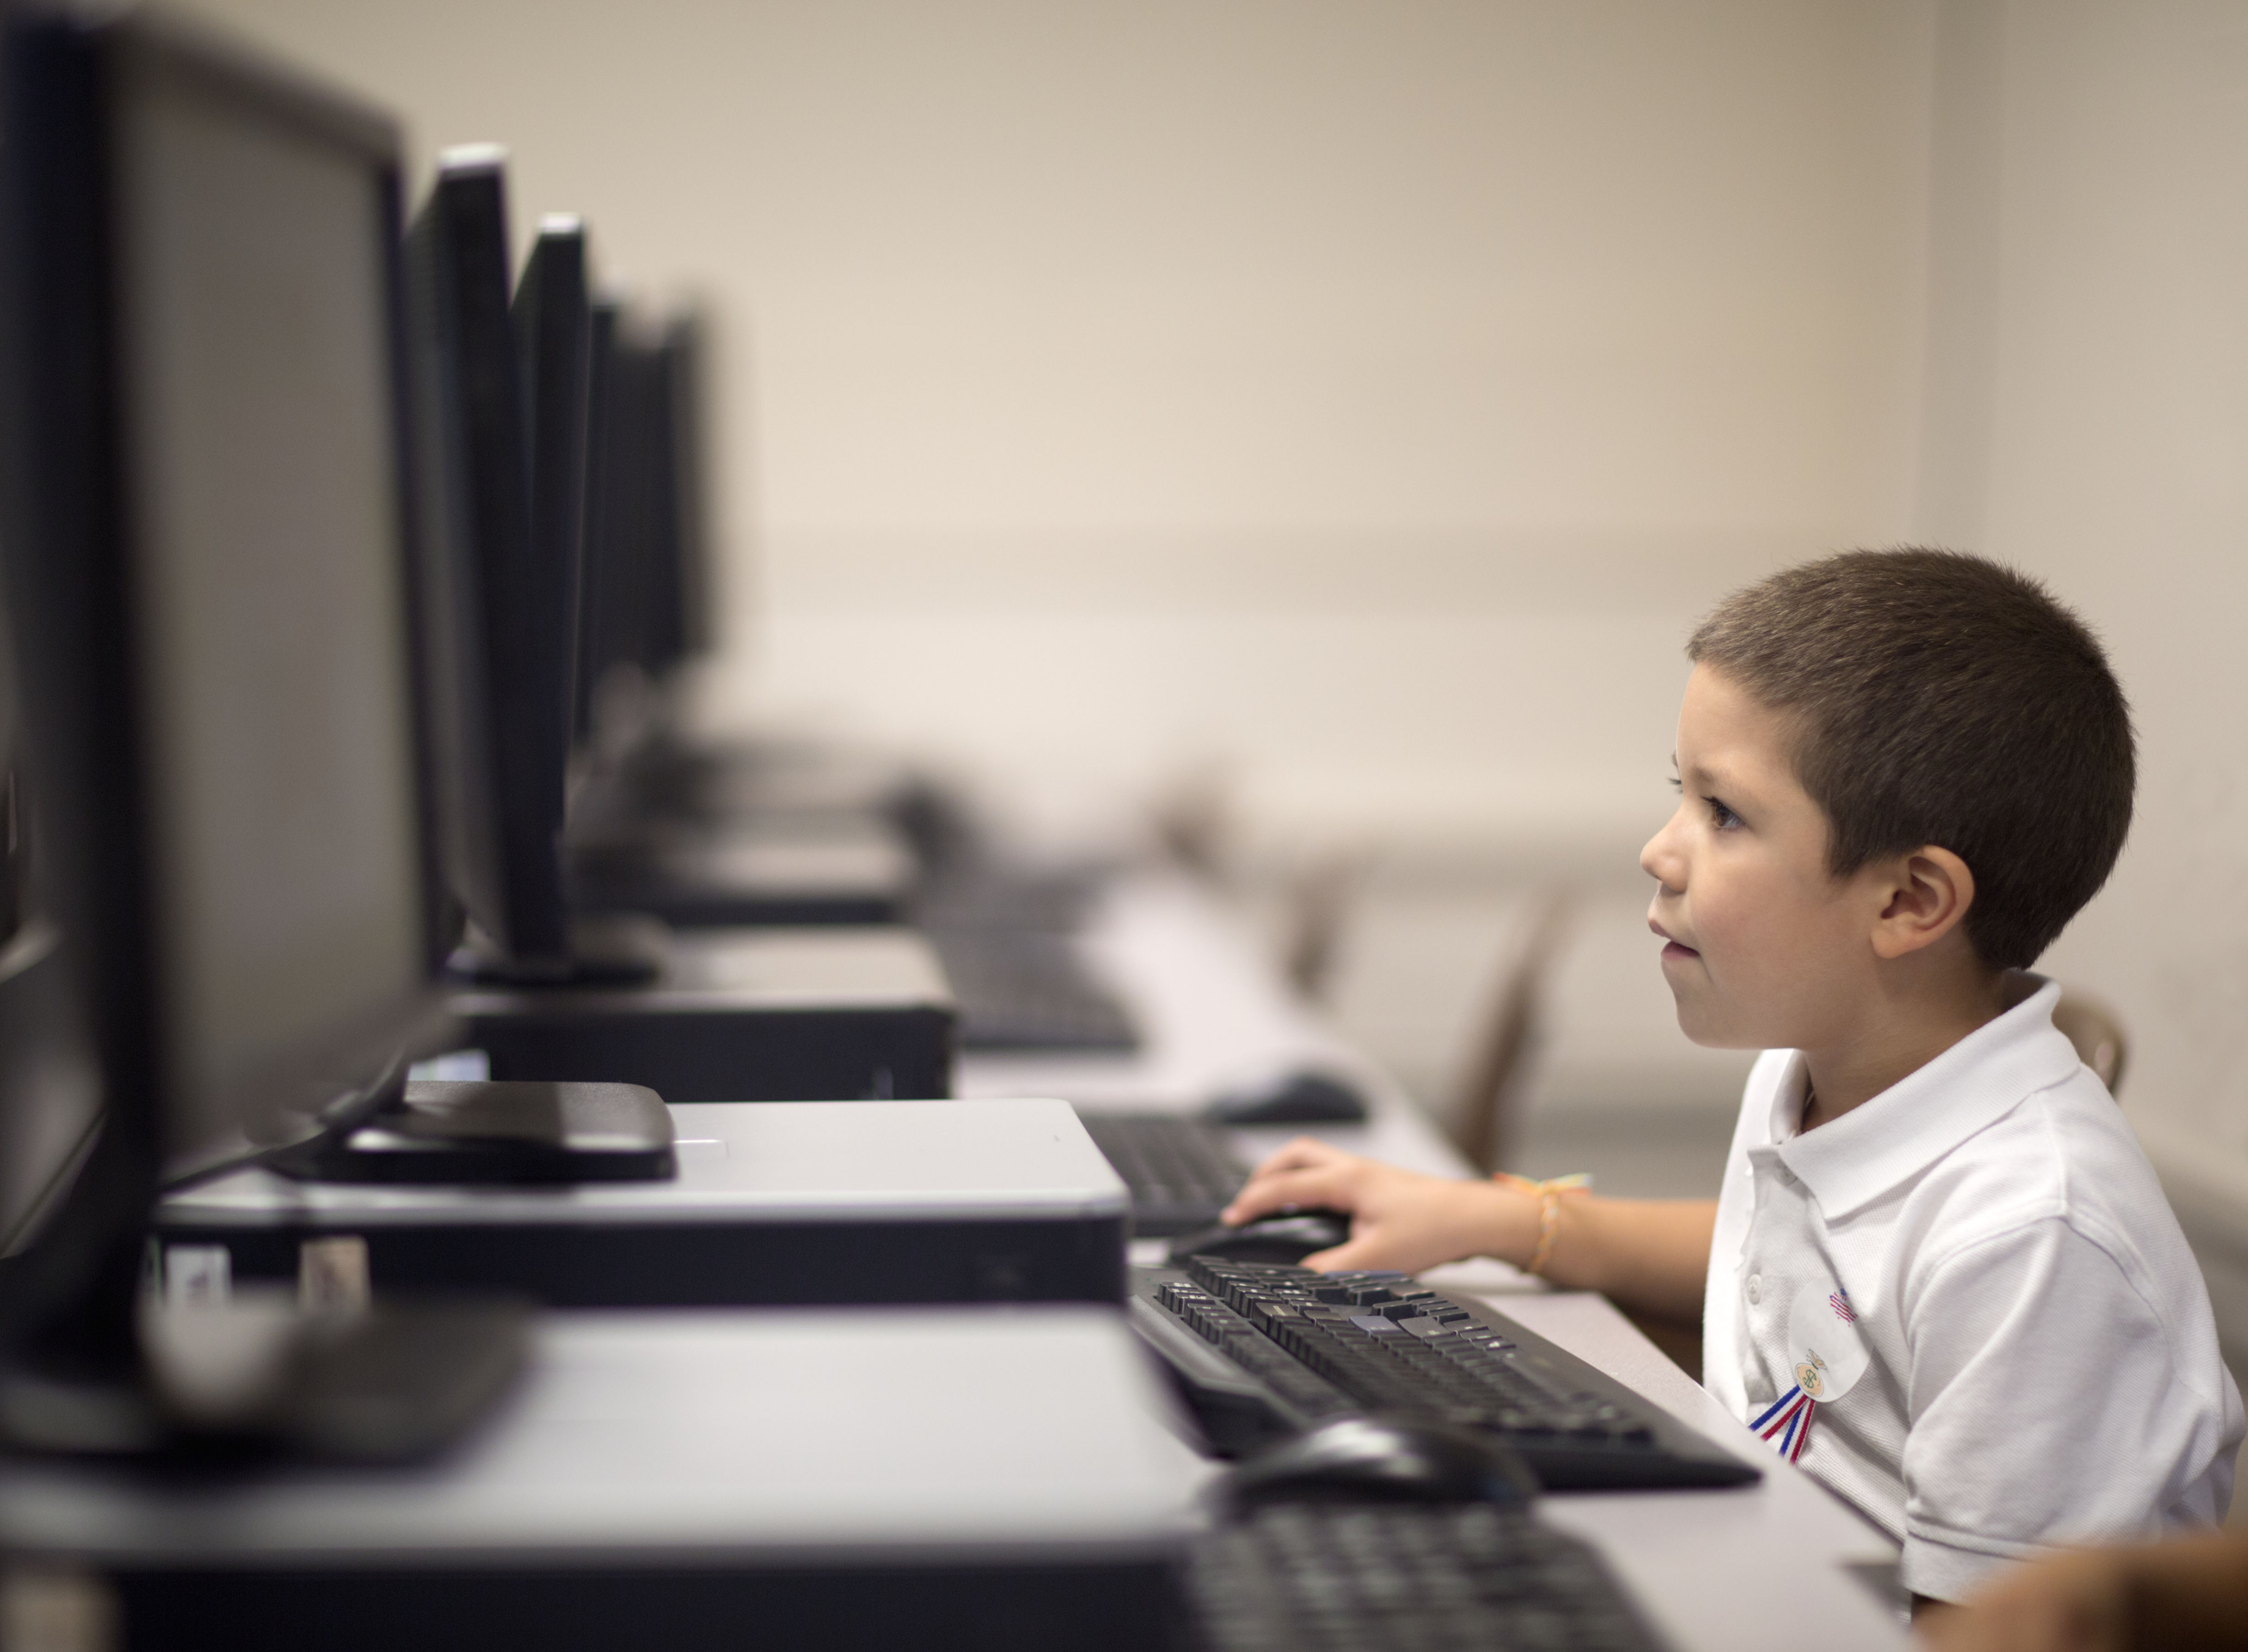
(1704, 1024)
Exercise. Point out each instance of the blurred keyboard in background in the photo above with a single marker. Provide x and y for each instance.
(1181, 1171)
(1383, 1578)
(1007, 938)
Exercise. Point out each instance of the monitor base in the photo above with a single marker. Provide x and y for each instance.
(394, 1381)
(610, 950)
(513, 1132)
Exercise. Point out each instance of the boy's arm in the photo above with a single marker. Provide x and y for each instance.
(2184, 1593)
(1651, 1255)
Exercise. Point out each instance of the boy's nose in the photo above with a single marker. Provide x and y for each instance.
(1660, 861)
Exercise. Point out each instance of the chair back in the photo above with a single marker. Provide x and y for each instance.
(1320, 900)
(1485, 1113)
(2096, 1031)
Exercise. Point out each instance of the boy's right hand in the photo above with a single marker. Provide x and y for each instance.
(1399, 1219)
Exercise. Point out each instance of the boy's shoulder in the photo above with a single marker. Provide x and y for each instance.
(2063, 1152)
(2045, 1163)
(2006, 1130)
(2053, 1209)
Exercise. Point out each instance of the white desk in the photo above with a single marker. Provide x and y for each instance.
(1768, 1565)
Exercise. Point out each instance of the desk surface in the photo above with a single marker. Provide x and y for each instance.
(1768, 1565)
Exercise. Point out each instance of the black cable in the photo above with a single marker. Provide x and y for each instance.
(65, 1172)
(338, 1121)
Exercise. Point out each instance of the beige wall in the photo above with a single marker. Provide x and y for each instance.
(1366, 394)
(2090, 273)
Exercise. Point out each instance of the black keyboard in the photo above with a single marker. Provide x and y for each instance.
(1385, 1577)
(1181, 1172)
(1263, 1350)
(1026, 990)
(1005, 933)
(986, 894)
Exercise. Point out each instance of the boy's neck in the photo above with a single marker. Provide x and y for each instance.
(1902, 1032)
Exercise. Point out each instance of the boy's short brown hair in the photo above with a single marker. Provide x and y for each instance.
(1939, 698)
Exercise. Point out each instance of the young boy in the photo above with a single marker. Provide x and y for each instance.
(1940, 1273)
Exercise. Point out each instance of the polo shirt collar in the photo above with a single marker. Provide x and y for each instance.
(1853, 1159)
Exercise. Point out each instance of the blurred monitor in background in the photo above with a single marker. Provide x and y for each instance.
(502, 393)
(553, 334)
(647, 601)
(495, 654)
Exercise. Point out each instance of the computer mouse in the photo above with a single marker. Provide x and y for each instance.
(1304, 1096)
(1289, 1235)
(1381, 1459)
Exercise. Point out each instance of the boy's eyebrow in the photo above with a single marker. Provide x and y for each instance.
(1701, 775)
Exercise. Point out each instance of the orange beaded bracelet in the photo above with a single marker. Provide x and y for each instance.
(1548, 1194)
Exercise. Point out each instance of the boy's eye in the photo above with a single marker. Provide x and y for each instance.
(1721, 817)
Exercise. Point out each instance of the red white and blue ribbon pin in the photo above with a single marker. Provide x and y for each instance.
(1789, 1417)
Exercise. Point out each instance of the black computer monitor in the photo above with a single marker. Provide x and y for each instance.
(645, 607)
(600, 623)
(621, 503)
(204, 531)
(679, 608)
(501, 512)
(554, 334)
(495, 616)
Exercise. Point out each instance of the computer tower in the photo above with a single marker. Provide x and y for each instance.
(773, 1202)
(737, 1015)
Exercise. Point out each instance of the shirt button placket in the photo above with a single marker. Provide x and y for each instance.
(1760, 1159)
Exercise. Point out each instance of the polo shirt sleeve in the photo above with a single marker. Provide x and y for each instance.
(2045, 1406)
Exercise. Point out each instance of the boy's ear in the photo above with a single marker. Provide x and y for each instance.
(1930, 891)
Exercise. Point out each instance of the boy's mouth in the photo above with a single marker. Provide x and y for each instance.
(1676, 948)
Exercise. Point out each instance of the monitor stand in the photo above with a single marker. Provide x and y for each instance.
(119, 1373)
(394, 1383)
(508, 1132)
(618, 949)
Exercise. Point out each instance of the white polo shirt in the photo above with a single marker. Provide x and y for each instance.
(2014, 1344)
